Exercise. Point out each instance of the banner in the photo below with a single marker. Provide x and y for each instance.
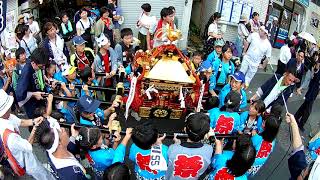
(3, 11)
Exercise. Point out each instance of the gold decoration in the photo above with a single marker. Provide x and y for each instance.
(161, 113)
(176, 114)
(144, 112)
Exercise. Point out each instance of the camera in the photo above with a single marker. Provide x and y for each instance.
(57, 85)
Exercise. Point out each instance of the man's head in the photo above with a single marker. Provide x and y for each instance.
(255, 16)
(300, 56)
(91, 138)
(197, 57)
(30, 18)
(127, 36)
(290, 76)
(257, 108)
(232, 100)
(144, 135)
(237, 81)
(197, 126)
(39, 59)
(6, 102)
(87, 75)
(21, 55)
(263, 32)
(51, 136)
(87, 106)
(167, 15)
(50, 29)
(79, 43)
(146, 7)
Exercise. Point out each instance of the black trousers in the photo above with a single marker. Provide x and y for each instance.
(303, 113)
(281, 68)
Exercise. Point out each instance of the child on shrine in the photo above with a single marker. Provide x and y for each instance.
(190, 159)
(148, 153)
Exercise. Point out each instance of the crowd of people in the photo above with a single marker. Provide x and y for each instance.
(66, 58)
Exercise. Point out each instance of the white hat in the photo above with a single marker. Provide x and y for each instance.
(275, 19)
(263, 28)
(5, 102)
(102, 40)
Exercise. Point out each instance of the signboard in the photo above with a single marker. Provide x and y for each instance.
(282, 36)
(236, 12)
(3, 11)
(226, 10)
(305, 3)
(231, 10)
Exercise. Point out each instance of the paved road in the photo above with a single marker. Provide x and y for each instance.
(278, 158)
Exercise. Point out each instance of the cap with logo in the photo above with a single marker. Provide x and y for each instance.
(88, 104)
(238, 76)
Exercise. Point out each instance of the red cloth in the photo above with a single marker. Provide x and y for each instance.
(158, 30)
(107, 67)
(137, 100)
(106, 21)
(83, 58)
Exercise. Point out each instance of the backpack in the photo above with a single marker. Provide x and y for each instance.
(5, 154)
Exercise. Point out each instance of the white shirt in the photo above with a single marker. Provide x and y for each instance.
(274, 93)
(285, 54)
(86, 25)
(213, 28)
(57, 49)
(34, 27)
(21, 149)
(257, 49)
(29, 44)
(149, 21)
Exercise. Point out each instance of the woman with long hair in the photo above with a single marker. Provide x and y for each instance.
(211, 32)
(28, 42)
(264, 142)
